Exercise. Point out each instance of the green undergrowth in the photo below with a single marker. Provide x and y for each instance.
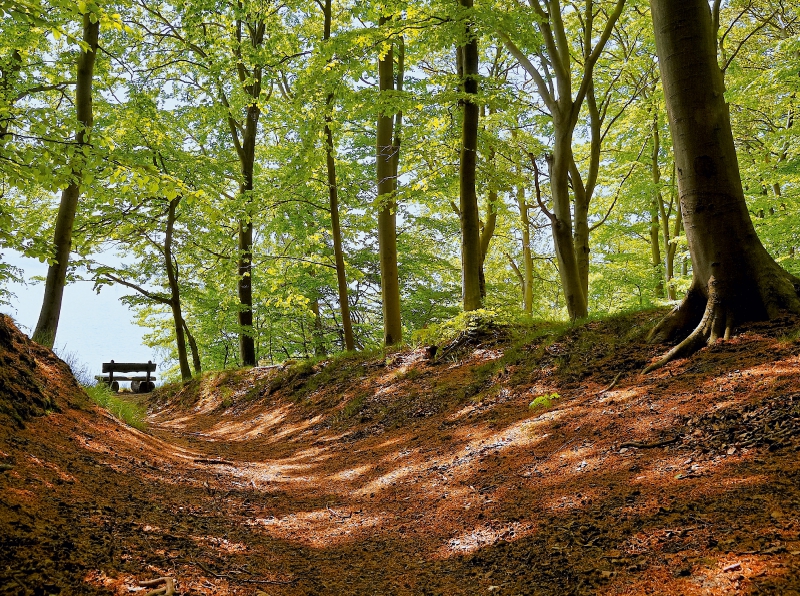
(347, 388)
(129, 412)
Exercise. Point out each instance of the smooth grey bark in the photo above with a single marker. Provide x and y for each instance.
(196, 364)
(47, 325)
(319, 344)
(527, 259)
(734, 278)
(656, 208)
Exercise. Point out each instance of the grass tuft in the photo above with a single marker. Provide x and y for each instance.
(129, 412)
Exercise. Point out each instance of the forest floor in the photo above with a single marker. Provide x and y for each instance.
(501, 467)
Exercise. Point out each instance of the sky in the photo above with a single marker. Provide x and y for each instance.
(95, 327)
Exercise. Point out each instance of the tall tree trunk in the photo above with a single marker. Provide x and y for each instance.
(333, 196)
(553, 80)
(246, 150)
(656, 205)
(527, 259)
(489, 223)
(561, 224)
(175, 296)
(387, 216)
(487, 233)
(583, 192)
(670, 246)
(734, 278)
(470, 220)
(319, 344)
(196, 364)
(247, 348)
(47, 326)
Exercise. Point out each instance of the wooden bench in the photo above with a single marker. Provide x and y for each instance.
(139, 383)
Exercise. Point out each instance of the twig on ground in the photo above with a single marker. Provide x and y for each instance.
(638, 445)
(339, 515)
(240, 580)
(612, 385)
(20, 583)
(168, 589)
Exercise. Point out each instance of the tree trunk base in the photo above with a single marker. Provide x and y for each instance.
(709, 314)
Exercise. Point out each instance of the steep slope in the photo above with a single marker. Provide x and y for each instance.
(33, 380)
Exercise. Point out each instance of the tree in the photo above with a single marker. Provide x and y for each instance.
(471, 253)
(47, 326)
(735, 280)
(552, 72)
(333, 196)
(386, 169)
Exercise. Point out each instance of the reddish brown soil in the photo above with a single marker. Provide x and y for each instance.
(402, 476)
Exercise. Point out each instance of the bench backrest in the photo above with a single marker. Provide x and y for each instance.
(128, 366)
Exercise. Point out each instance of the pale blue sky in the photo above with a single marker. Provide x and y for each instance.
(98, 328)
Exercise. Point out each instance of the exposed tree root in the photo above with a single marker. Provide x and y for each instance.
(775, 293)
(168, 589)
(717, 322)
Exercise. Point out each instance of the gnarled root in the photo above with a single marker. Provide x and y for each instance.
(682, 318)
(168, 589)
(717, 322)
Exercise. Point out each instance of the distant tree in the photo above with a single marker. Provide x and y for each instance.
(735, 280)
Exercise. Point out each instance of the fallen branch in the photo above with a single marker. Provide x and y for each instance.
(638, 445)
(168, 589)
(214, 462)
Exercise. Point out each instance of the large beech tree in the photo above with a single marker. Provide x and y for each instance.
(735, 280)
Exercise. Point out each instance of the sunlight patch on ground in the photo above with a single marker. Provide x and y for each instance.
(250, 427)
(314, 453)
(267, 472)
(221, 544)
(488, 534)
(386, 480)
(387, 443)
(320, 528)
(179, 422)
(353, 473)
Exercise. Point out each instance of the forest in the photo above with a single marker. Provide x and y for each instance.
(277, 180)
(451, 297)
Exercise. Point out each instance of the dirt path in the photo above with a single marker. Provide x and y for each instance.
(396, 479)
